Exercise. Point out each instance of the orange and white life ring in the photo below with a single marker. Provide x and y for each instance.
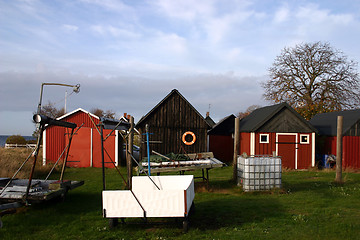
(193, 138)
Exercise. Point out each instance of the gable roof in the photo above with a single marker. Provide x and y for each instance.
(209, 121)
(75, 111)
(259, 117)
(224, 127)
(174, 91)
(326, 123)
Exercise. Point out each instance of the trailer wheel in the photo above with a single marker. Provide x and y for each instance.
(185, 225)
(113, 222)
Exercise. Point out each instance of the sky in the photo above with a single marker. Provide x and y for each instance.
(127, 55)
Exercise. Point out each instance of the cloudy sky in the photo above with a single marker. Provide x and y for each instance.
(128, 55)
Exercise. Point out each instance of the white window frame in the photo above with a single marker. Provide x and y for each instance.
(308, 139)
(267, 138)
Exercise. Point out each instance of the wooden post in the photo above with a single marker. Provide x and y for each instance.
(236, 146)
(102, 155)
(338, 177)
(129, 152)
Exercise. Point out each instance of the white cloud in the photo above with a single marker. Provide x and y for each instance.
(109, 30)
(282, 14)
(233, 54)
(171, 42)
(70, 28)
(312, 13)
(160, 45)
(111, 5)
(314, 22)
(188, 10)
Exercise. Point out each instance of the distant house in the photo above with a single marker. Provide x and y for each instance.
(280, 129)
(85, 148)
(326, 124)
(168, 121)
(221, 139)
(209, 120)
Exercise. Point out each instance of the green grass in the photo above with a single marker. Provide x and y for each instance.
(309, 206)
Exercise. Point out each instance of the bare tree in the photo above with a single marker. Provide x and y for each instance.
(313, 78)
(48, 110)
(247, 112)
(51, 111)
(101, 113)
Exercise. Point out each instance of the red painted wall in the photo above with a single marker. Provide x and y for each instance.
(265, 148)
(80, 150)
(109, 150)
(55, 143)
(244, 143)
(304, 152)
(222, 147)
(351, 150)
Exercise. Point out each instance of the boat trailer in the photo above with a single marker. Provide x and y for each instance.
(15, 193)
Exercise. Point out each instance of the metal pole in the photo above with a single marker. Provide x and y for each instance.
(67, 154)
(148, 147)
(129, 152)
(76, 88)
(236, 146)
(36, 152)
(41, 93)
(338, 177)
(65, 101)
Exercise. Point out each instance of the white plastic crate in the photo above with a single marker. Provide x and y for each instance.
(256, 173)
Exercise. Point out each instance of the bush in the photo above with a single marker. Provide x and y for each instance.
(16, 139)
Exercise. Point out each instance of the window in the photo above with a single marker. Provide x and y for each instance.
(304, 139)
(264, 138)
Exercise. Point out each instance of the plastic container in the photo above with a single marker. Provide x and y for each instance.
(256, 173)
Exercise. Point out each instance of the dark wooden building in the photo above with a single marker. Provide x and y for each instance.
(221, 139)
(326, 124)
(168, 121)
(280, 129)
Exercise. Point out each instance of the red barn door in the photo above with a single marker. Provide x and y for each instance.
(79, 155)
(286, 148)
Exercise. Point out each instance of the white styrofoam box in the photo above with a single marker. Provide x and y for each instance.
(174, 199)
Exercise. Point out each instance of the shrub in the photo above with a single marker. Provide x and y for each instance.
(16, 139)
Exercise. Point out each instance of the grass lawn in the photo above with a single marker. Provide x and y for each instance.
(309, 206)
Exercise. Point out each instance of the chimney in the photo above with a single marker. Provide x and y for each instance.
(207, 114)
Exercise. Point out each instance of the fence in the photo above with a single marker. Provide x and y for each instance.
(14, 145)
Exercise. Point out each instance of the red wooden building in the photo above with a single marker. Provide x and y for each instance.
(326, 123)
(280, 129)
(221, 139)
(85, 148)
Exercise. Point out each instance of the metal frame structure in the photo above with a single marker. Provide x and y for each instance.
(54, 188)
